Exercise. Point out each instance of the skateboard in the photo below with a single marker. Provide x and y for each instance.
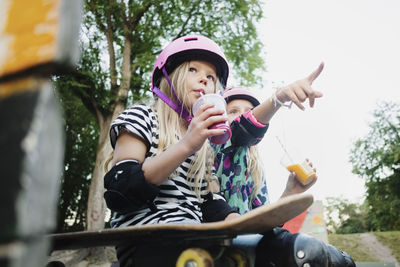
(205, 244)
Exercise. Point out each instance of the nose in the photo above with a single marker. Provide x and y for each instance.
(203, 78)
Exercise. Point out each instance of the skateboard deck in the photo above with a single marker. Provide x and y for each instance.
(258, 220)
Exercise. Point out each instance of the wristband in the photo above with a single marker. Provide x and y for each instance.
(278, 103)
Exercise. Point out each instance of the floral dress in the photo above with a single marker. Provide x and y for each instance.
(231, 167)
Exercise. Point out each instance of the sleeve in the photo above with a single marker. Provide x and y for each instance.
(246, 130)
(137, 120)
(215, 208)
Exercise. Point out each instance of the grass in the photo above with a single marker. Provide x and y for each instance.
(392, 241)
(351, 243)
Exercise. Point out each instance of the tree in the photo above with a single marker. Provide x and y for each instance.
(376, 158)
(120, 41)
(80, 153)
(344, 217)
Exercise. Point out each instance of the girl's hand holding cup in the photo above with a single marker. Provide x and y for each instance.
(200, 127)
(220, 131)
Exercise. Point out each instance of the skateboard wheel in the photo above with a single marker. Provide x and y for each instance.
(238, 257)
(195, 257)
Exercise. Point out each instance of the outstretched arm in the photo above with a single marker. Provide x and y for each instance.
(297, 92)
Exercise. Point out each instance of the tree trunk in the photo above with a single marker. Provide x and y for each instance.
(96, 205)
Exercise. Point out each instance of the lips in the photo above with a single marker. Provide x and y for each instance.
(199, 91)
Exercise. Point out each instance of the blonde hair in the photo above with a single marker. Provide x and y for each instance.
(255, 170)
(170, 124)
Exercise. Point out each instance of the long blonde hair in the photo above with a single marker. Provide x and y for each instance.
(255, 170)
(170, 124)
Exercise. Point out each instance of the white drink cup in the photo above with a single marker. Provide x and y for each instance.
(219, 102)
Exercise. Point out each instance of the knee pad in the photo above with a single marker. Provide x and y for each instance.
(339, 258)
(281, 248)
(311, 251)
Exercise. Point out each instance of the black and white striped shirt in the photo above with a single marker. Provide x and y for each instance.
(176, 201)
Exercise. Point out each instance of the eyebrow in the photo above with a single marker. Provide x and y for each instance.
(238, 106)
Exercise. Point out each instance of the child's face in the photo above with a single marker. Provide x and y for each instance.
(237, 107)
(201, 79)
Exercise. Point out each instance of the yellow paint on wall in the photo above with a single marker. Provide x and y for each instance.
(30, 34)
(317, 219)
(18, 86)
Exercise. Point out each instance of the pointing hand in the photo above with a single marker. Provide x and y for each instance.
(300, 90)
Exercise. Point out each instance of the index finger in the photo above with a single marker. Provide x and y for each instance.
(315, 73)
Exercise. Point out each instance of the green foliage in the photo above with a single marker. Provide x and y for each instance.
(376, 159)
(152, 24)
(80, 153)
(90, 81)
(344, 217)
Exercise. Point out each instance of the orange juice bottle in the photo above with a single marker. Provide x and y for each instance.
(305, 174)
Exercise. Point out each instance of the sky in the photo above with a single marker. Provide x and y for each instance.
(359, 42)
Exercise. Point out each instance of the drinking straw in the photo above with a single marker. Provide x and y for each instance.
(284, 149)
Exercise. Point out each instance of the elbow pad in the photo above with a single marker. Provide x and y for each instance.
(127, 189)
(216, 209)
(245, 133)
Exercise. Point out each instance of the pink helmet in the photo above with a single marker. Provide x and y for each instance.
(190, 47)
(240, 93)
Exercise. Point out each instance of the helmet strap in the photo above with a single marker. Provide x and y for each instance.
(179, 108)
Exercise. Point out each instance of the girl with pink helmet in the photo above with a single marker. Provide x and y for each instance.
(242, 183)
(237, 162)
(161, 171)
(184, 49)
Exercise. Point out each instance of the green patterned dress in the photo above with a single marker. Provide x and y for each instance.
(230, 163)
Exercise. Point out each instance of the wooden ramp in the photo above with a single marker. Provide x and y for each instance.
(310, 222)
